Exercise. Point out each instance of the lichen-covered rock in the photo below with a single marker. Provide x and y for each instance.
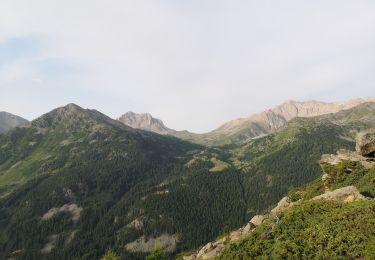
(345, 155)
(366, 144)
(345, 194)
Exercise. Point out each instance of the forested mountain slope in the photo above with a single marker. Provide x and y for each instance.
(60, 177)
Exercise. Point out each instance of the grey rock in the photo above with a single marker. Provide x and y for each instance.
(146, 122)
(345, 194)
(257, 220)
(366, 144)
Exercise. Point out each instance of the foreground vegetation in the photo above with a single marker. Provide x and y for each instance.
(313, 230)
(318, 229)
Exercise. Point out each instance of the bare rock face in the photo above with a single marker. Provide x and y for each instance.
(273, 119)
(366, 144)
(145, 122)
(165, 242)
(257, 220)
(72, 209)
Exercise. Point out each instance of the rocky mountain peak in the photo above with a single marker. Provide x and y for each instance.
(144, 121)
(73, 116)
(73, 107)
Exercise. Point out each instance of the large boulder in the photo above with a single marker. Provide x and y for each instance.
(366, 144)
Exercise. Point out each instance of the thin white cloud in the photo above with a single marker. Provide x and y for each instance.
(195, 63)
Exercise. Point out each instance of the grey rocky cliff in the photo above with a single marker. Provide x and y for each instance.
(145, 121)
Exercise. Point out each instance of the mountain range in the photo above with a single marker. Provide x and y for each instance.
(259, 124)
(255, 125)
(76, 184)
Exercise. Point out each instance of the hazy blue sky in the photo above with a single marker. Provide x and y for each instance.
(193, 63)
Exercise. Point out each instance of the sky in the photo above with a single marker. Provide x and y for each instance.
(195, 64)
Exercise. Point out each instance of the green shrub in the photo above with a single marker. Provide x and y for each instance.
(313, 230)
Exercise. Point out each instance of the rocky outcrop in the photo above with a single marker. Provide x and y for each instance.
(345, 194)
(165, 243)
(345, 155)
(145, 122)
(72, 209)
(283, 205)
(212, 249)
(366, 144)
(52, 239)
(136, 224)
(257, 220)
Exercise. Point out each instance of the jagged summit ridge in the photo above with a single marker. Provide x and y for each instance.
(274, 118)
(72, 115)
(240, 130)
(144, 121)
